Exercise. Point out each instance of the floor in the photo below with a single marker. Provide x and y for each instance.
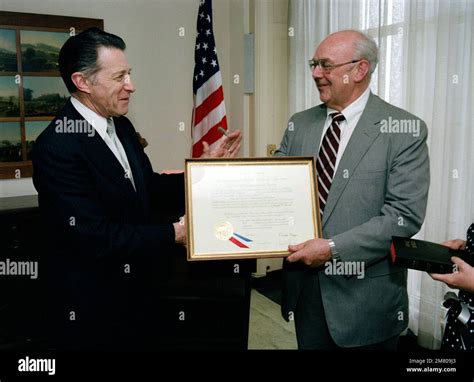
(267, 329)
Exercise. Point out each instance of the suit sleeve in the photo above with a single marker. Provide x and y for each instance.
(404, 208)
(284, 148)
(76, 213)
(167, 196)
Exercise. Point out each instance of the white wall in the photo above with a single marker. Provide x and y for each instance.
(271, 73)
(162, 64)
(270, 102)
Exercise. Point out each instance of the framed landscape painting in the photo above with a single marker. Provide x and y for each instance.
(31, 89)
(8, 57)
(9, 97)
(40, 50)
(43, 96)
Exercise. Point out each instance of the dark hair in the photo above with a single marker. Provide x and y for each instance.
(79, 53)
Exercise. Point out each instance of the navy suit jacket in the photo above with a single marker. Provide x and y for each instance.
(105, 244)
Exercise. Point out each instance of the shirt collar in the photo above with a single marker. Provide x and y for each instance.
(355, 108)
(97, 121)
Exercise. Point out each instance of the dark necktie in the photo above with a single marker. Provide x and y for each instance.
(327, 155)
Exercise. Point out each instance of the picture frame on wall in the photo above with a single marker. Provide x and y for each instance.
(31, 88)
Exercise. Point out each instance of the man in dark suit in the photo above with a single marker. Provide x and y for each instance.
(373, 181)
(100, 201)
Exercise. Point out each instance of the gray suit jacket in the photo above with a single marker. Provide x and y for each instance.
(380, 190)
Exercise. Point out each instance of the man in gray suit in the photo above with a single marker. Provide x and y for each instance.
(373, 180)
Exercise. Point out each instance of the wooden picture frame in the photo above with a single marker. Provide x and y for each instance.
(31, 88)
(244, 208)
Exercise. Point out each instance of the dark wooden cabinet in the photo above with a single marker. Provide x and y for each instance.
(202, 305)
(207, 305)
(21, 308)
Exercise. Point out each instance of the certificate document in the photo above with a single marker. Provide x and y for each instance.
(250, 208)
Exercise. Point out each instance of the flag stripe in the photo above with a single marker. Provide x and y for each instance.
(209, 87)
(213, 135)
(211, 102)
(207, 123)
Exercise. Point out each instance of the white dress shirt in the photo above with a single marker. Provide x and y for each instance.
(352, 114)
(99, 123)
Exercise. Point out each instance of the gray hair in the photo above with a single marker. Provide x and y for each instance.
(366, 48)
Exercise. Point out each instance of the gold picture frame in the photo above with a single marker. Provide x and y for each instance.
(244, 208)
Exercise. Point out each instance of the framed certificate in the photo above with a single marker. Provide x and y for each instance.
(251, 207)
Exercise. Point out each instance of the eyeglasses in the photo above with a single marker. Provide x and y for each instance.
(326, 66)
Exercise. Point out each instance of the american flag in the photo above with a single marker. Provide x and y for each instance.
(209, 107)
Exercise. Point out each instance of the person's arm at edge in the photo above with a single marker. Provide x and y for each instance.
(463, 277)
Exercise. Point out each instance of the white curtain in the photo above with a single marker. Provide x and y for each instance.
(426, 67)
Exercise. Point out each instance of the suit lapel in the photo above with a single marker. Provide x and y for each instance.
(133, 161)
(103, 158)
(316, 122)
(99, 153)
(364, 134)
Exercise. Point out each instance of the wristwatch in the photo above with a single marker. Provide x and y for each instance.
(334, 253)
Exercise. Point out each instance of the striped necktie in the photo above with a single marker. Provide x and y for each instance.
(327, 155)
